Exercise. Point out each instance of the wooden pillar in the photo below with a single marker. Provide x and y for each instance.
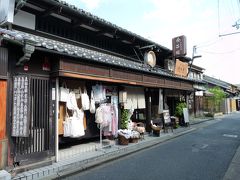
(3, 139)
(148, 110)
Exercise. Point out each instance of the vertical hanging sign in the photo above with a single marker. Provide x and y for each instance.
(21, 106)
(179, 46)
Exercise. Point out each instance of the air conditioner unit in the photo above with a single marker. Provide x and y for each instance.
(169, 65)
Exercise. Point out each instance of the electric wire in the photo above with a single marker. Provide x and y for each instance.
(233, 10)
(226, 52)
(238, 3)
(218, 18)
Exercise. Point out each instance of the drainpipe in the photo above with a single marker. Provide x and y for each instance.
(56, 117)
(28, 49)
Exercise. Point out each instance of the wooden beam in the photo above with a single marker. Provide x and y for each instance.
(51, 10)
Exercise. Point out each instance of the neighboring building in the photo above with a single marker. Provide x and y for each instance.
(196, 98)
(47, 46)
(230, 104)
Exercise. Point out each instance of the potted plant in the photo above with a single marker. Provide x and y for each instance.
(124, 119)
(179, 111)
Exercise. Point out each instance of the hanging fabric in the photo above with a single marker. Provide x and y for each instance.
(67, 126)
(135, 98)
(99, 115)
(92, 107)
(99, 93)
(71, 101)
(141, 98)
(77, 127)
(160, 103)
(63, 93)
(85, 99)
(114, 100)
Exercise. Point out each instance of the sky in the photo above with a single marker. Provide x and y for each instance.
(207, 24)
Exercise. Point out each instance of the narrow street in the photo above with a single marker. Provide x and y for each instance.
(203, 154)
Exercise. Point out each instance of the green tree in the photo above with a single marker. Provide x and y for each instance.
(216, 99)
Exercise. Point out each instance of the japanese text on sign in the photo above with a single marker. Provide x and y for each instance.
(20, 118)
(179, 46)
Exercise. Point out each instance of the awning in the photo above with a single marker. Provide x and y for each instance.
(208, 94)
(199, 87)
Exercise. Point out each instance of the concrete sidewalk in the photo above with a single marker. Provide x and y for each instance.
(86, 160)
(233, 172)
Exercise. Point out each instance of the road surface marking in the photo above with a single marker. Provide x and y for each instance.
(230, 135)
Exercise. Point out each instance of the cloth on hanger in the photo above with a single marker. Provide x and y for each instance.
(71, 101)
(77, 127)
(141, 99)
(99, 93)
(135, 98)
(160, 103)
(114, 100)
(85, 122)
(74, 125)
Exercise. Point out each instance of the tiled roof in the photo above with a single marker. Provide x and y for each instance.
(84, 53)
(216, 82)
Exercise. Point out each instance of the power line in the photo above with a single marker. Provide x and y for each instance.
(227, 52)
(221, 35)
(218, 18)
(209, 43)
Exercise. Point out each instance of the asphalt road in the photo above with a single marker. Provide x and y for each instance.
(202, 154)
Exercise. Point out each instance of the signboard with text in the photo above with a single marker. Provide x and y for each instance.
(181, 68)
(21, 106)
(179, 46)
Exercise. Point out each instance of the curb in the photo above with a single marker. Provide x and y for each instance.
(233, 171)
(79, 164)
(198, 122)
(121, 152)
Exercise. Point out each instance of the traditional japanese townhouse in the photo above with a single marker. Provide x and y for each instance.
(196, 98)
(48, 44)
(230, 103)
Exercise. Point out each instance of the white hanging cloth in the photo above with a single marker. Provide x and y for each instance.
(160, 103)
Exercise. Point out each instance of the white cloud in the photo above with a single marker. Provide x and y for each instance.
(92, 4)
(86, 4)
(169, 11)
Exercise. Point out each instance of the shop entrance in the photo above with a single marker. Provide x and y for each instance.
(105, 97)
(172, 102)
(37, 146)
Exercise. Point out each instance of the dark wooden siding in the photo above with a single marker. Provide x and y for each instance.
(110, 74)
(3, 62)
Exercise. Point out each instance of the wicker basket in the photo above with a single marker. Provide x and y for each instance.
(156, 130)
(122, 140)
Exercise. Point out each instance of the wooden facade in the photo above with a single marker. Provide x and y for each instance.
(102, 73)
(59, 42)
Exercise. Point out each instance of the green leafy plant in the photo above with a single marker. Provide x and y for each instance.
(124, 118)
(179, 109)
(216, 99)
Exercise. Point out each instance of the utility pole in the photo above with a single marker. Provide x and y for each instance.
(193, 57)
